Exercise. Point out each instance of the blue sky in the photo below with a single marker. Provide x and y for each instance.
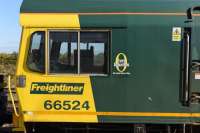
(10, 29)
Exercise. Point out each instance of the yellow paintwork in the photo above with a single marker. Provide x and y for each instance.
(31, 103)
(49, 20)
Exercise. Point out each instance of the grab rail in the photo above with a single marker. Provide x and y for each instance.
(11, 96)
(191, 10)
(185, 70)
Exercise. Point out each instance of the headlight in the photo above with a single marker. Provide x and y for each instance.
(21, 81)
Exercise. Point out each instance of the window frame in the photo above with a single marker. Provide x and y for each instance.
(29, 49)
(78, 54)
(107, 50)
(48, 53)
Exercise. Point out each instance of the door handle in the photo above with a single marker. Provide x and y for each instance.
(196, 65)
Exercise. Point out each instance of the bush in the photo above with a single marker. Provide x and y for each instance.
(8, 65)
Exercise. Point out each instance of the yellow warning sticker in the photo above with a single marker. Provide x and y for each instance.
(176, 34)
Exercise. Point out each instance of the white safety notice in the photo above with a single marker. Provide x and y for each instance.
(197, 76)
(176, 34)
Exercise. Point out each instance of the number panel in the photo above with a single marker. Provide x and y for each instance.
(66, 105)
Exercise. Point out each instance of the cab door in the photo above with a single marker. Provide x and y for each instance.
(190, 63)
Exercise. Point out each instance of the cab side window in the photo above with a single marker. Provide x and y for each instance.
(36, 54)
(63, 52)
(94, 52)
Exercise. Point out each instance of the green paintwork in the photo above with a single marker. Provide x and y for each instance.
(148, 120)
(107, 5)
(153, 85)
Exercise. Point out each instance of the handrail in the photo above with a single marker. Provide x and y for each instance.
(11, 96)
(191, 10)
(185, 72)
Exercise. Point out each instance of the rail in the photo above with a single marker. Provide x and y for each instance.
(12, 98)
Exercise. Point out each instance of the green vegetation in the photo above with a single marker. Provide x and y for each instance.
(8, 65)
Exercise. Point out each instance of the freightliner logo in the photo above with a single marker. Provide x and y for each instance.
(57, 88)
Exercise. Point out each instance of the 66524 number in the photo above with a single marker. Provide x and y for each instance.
(66, 105)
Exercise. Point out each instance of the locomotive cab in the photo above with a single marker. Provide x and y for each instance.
(58, 53)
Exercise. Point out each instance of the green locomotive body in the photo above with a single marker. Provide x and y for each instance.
(142, 57)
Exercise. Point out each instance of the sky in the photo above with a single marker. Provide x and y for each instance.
(10, 30)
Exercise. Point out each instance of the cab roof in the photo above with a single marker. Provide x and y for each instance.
(80, 6)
